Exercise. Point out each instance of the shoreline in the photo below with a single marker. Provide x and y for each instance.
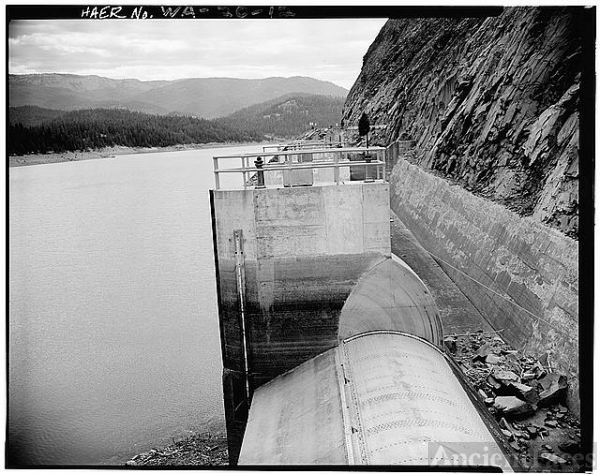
(110, 152)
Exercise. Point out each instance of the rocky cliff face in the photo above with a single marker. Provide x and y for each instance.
(491, 103)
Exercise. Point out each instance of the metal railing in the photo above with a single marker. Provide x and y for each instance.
(302, 145)
(259, 164)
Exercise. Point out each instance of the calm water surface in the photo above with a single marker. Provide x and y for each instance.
(113, 330)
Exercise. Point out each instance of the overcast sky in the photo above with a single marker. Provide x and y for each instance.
(330, 50)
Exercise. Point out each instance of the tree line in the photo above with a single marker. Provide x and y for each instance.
(81, 130)
(287, 116)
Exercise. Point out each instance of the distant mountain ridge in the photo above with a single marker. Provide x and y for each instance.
(201, 97)
(287, 116)
(38, 130)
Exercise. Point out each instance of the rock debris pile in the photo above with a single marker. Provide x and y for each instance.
(198, 450)
(526, 397)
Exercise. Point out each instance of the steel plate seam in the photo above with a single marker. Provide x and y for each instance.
(358, 431)
(341, 376)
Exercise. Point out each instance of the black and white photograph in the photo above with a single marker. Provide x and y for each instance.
(300, 236)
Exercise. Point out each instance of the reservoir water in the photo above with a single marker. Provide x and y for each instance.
(113, 330)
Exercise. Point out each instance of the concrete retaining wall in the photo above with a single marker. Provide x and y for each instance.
(521, 275)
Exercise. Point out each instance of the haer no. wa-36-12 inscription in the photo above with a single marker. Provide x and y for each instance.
(156, 12)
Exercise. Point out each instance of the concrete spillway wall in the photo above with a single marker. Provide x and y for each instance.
(304, 250)
(521, 275)
(287, 259)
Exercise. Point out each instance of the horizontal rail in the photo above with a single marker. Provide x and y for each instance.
(302, 166)
(301, 145)
(302, 148)
(298, 152)
(378, 127)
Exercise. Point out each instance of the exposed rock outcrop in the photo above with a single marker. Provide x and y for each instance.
(491, 103)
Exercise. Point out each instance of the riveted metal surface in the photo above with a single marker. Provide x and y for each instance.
(297, 419)
(391, 297)
(406, 396)
(378, 398)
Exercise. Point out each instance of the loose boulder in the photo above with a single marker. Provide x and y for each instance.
(554, 387)
(512, 406)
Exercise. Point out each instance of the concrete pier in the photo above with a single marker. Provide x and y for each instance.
(287, 258)
(304, 250)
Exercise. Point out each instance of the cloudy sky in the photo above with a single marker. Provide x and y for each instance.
(325, 49)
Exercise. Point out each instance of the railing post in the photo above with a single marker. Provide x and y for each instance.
(289, 164)
(216, 171)
(260, 174)
(368, 177)
(244, 174)
(336, 170)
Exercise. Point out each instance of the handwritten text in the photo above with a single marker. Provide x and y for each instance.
(155, 12)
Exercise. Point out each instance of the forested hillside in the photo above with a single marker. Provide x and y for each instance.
(98, 128)
(287, 116)
(29, 115)
(37, 130)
